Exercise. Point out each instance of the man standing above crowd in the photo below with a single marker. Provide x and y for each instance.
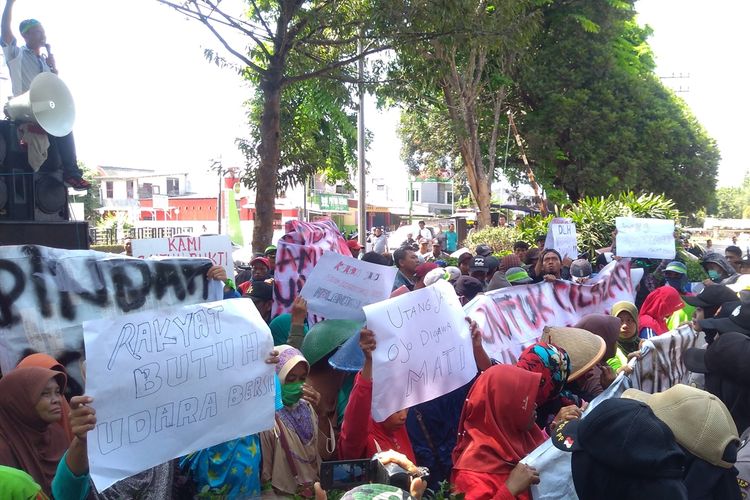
(451, 239)
(425, 232)
(24, 64)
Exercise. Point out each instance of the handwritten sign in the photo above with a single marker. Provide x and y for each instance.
(217, 249)
(169, 382)
(513, 318)
(561, 236)
(646, 238)
(423, 348)
(339, 286)
(47, 293)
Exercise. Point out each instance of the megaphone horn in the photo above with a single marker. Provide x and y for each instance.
(48, 103)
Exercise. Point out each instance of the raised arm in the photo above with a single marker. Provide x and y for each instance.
(6, 33)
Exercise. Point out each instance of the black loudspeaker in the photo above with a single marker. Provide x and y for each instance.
(26, 195)
(68, 235)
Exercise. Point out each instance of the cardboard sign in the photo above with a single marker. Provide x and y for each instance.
(645, 238)
(561, 236)
(340, 286)
(173, 381)
(423, 348)
(218, 249)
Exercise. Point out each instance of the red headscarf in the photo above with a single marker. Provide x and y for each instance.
(659, 304)
(47, 361)
(494, 433)
(26, 441)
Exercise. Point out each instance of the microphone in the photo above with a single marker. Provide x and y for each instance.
(49, 56)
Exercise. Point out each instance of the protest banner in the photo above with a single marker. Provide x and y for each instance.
(561, 235)
(645, 238)
(423, 348)
(217, 249)
(513, 318)
(339, 286)
(662, 365)
(297, 253)
(172, 381)
(47, 293)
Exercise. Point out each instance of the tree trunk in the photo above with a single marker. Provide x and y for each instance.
(270, 153)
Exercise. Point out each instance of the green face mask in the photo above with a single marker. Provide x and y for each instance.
(714, 275)
(291, 393)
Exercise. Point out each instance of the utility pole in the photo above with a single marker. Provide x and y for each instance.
(361, 204)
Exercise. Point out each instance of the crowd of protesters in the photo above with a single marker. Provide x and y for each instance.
(683, 443)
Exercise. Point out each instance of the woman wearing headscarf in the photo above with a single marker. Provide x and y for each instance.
(31, 438)
(554, 404)
(46, 361)
(598, 378)
(497, 430)
(657, 308)
(628, 341)
(291, 462)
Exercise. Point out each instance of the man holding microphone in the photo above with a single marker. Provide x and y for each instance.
(25, 63)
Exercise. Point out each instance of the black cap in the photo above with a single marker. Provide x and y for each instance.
(262, 290)
(468, 287)
(727, 356)
(483, 250)
(737, 321)
(479, 263)
(712, 296)
(622, 444)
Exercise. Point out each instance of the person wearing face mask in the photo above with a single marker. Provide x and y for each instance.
(719, 270)
(675, 275)
(291, 462)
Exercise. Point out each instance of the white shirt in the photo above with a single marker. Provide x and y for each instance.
(23, 66)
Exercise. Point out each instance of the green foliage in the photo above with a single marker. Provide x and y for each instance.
(318, 130)
(599, 120)
(500, 239)
(594, 217)
(733, 202)
(91, 199)
(695, 271)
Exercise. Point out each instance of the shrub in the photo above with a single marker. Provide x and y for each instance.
(500, 239)
(108, 248)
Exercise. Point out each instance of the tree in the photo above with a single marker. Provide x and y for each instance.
(599, 121)
(91, 200)
(453, 87)
(289, 42)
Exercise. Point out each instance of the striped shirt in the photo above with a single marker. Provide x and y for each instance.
(23, 65)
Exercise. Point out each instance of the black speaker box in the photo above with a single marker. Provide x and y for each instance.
(68, 235)
(26, 195)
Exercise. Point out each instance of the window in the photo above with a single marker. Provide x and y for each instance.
(110, 189)
(449, 197)
(380, 187)
(173, 186)
(414, 195)
(129, 188)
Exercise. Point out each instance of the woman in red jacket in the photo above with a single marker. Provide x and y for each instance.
(496, 431)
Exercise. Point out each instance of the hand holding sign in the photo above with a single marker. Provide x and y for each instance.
(562, 237)
(423, 339)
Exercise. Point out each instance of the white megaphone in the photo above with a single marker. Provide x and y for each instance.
(48, 103)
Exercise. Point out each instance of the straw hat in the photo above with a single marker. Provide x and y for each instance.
(699, 420)
(584, 348)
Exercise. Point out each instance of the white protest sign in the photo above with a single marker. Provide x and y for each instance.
(216, 248)
(423, 348)
(172, 381)
(339, 286)
(646, 238)
(561, 236)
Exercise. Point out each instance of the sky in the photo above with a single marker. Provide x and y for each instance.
(147, 98)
